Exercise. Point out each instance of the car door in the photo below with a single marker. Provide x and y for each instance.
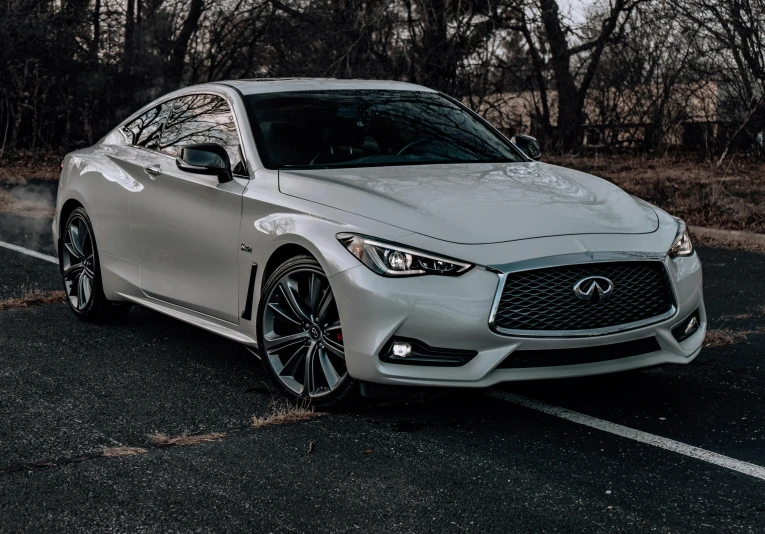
(186, 226)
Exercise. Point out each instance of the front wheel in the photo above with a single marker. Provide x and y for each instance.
(300, 337)
(81, 271)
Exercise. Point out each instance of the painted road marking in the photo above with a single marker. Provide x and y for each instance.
(29, 252)
(637, 435)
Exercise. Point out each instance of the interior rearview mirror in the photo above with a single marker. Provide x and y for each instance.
(205, 158)
(528, 145)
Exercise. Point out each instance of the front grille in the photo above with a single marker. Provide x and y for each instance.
(543, 300)
(520, 359)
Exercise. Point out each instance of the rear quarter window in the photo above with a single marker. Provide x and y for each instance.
(145, 131)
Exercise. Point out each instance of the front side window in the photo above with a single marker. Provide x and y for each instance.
(367, 127)
(145, 130)
(202, 118)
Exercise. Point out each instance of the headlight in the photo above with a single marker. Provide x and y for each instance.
(392, 260)
(682, 245)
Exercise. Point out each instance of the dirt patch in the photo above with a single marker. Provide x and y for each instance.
(33, 297)
(283, 413)
(730, 197)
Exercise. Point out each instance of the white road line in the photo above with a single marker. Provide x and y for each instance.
(637, 435)
(29, 252)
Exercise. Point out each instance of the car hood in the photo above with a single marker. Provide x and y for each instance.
(476, 203)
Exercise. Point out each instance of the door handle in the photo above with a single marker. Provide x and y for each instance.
(153, 170)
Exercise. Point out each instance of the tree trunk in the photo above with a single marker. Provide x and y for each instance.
(129, 32)
(569, 132)
(96, 42)
(176, 61)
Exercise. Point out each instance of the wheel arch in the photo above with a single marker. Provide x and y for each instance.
(67, 208)
(290, 245)
(282, 254)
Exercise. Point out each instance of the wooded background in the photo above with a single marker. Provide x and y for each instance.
(617, 74)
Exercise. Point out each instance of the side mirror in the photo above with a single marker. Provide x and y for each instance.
(205, 158)
(528, 145)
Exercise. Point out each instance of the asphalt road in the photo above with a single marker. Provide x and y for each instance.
(439, 462)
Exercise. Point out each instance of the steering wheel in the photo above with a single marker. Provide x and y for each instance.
(410, 145)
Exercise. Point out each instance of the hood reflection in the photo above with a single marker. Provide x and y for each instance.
(476, 203)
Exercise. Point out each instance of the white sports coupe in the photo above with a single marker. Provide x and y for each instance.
(357, 235)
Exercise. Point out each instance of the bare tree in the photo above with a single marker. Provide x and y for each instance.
(573, 57)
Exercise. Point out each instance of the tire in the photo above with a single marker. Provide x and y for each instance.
(81, 272)
(299, 336)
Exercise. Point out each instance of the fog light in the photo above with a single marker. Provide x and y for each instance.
(693, 324)
(401, 349)
(407, 351)
(687, 328)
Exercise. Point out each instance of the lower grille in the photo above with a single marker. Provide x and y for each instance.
(521, 359)
(543, 300)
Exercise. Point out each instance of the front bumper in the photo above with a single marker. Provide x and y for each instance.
(454, 312)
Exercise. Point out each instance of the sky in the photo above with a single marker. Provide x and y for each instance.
(576, 8)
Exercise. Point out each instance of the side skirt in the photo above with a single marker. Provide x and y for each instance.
(205, 322)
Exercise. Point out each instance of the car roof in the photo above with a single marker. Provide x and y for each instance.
(277, 85)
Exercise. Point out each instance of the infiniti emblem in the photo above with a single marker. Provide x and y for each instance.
(314, 333)
(593, 288)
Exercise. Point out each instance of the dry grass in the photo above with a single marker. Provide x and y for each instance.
(33, 297)
(163, 440)
(121, 452)
(732, 244)
(731, 197)
(283, 413)
(719, 337)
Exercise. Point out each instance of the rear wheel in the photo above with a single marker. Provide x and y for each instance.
(81, 271)
(300, 337)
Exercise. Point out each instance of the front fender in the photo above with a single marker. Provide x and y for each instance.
(271, 220)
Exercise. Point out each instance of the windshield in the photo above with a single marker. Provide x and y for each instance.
(360, 128)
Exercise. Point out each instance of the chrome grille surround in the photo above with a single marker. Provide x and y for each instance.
(580, 260)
